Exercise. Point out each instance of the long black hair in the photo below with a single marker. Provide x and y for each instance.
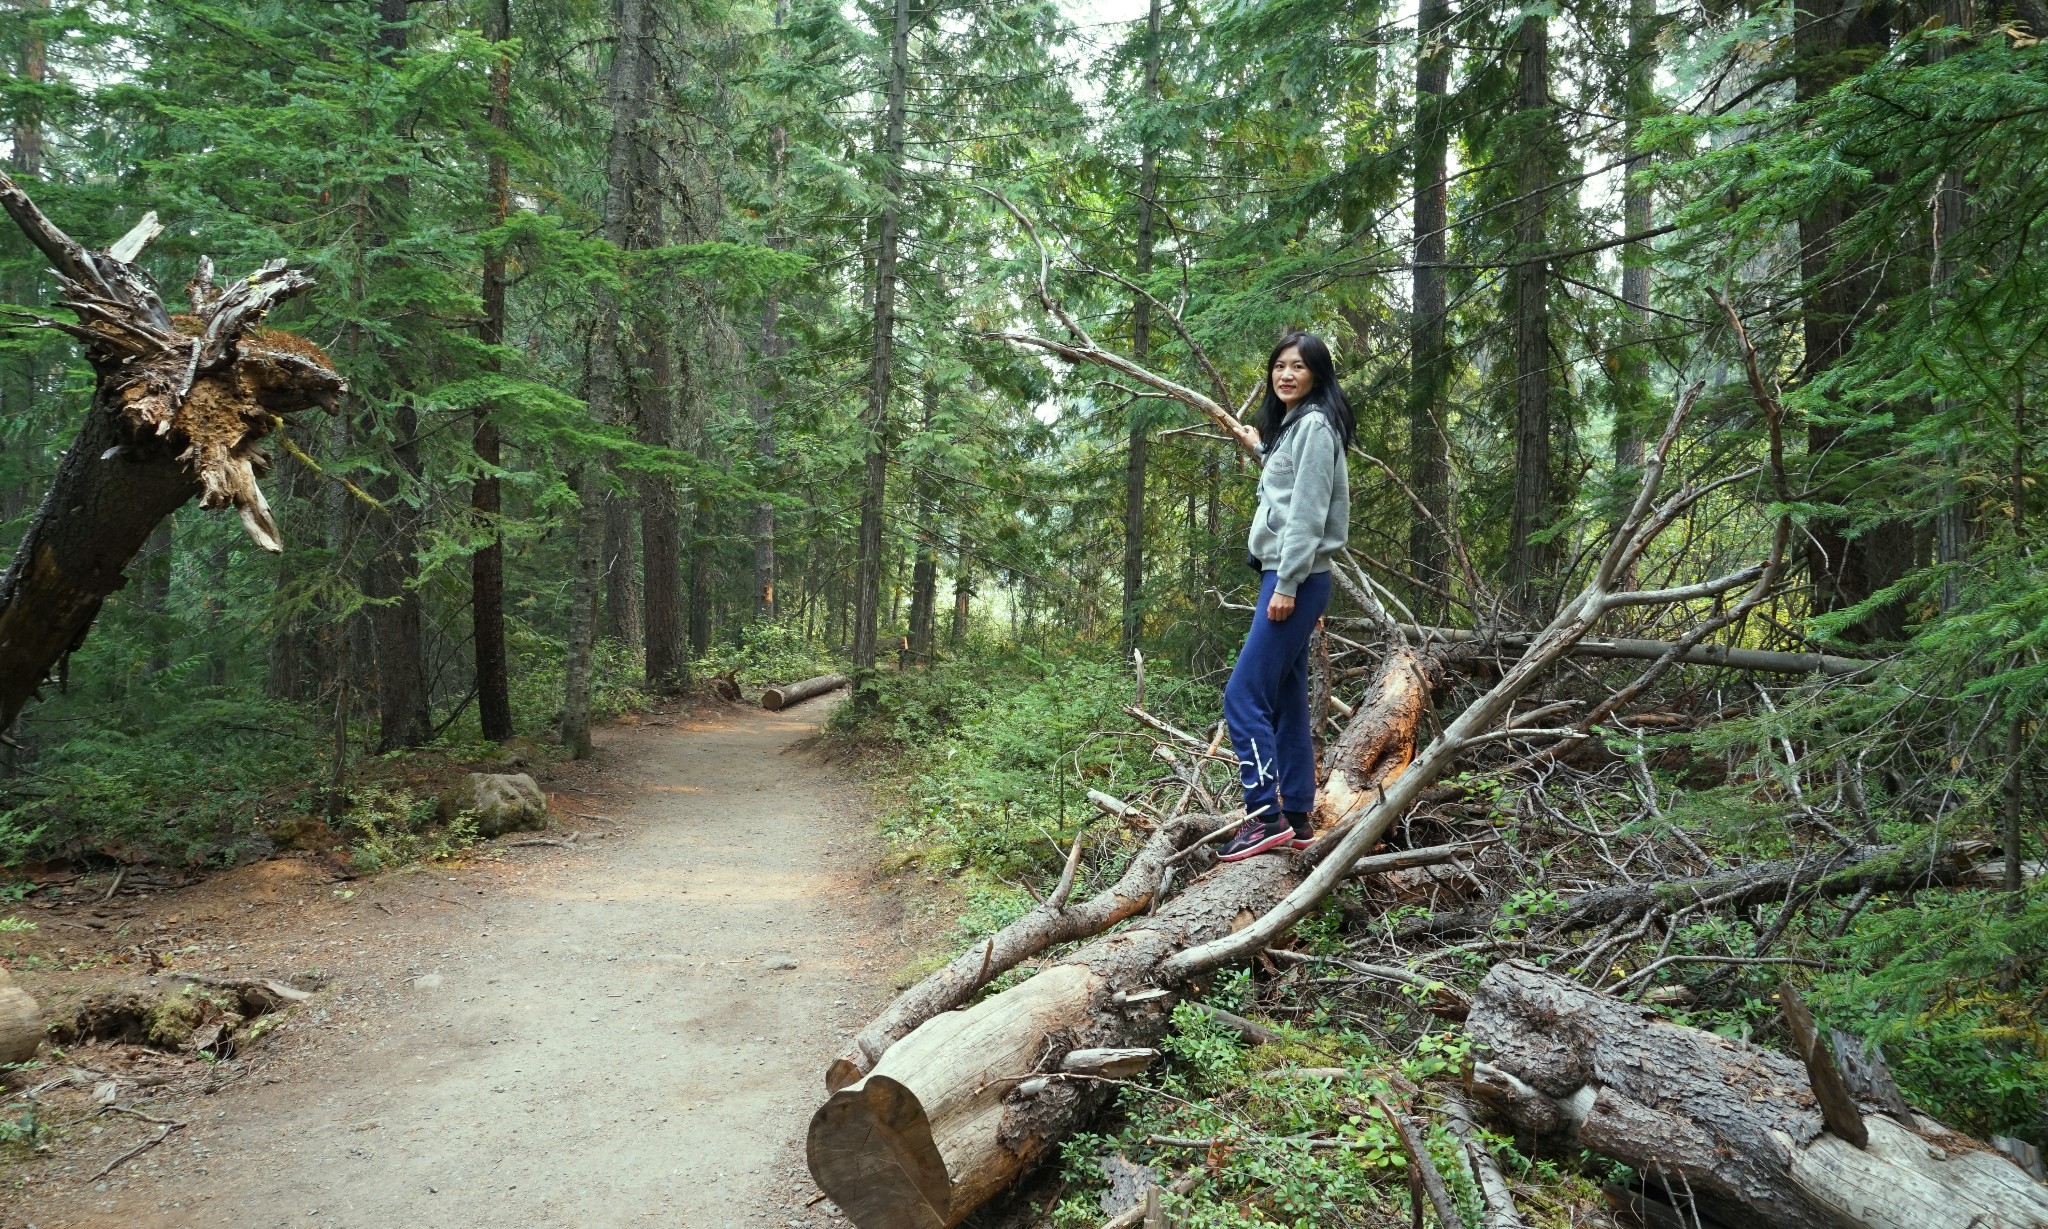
(1326, 396)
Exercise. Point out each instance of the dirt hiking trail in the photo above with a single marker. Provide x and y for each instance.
(627, 1031)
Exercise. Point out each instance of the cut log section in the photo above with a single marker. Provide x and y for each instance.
(21, 1022)
(1733, 1126)
(775, 699)
(958, 1109)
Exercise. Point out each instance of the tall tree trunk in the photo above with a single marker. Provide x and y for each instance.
(627, 89)
(1530, 561)
(924, 577)
(1141, 350)
(661, 530)
(392, 577)
(1952, 523)
(621, 571)
(770, 351)
(767, 390)
(868, 584)
(1631, 407)
(27, 159)
(1429, 359)
(963, 592)
(703, 536)
(486, 499)
(158, 558)
(1833, 40)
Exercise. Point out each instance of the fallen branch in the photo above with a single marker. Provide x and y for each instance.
(163, 1133)
(1760, 660)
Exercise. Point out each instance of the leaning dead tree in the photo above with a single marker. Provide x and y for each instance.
(938, 1109)
(180, 405)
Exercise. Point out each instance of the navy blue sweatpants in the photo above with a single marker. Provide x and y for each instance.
(1266, 702)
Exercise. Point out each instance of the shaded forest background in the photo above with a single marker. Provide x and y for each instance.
(670, 339)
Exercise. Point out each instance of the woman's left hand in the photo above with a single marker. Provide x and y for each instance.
(1278, 607)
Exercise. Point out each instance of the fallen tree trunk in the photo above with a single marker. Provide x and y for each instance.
(775, 699)
(180, 405)
(945, 1119)
(1051, 923)
(1731, 1126)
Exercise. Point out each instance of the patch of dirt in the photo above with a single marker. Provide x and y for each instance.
(627, 1024)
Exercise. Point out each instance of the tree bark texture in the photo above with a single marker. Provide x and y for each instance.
(661, 527)
(175, 414)
(627, 89)
(875, 486)
(766, 386)
(486, 496)
(621, 571)
(1634, 360)
(1141, 349)
(1530, 562)
(1429, 359)
(963, 591)
(391, 575)
(1734, 1126)
(1832, 40)
(1953, 523)
(924, 572)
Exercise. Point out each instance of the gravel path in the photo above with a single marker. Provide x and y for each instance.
(631, 1031)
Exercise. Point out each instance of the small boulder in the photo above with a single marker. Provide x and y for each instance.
(501, 802)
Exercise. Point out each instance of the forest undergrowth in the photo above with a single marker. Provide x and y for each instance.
(984, 766)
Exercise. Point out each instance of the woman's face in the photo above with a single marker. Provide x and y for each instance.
(1291, 378)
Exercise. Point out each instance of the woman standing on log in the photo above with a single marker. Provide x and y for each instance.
(1303, 519)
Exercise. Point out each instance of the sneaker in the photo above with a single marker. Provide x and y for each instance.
(1304, 831)
(1256, 837)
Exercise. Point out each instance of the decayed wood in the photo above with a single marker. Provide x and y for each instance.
(1837, 1108)
(943, 1122)
(1377, 745)
(1051, 923)
(775, 699)
(180, 406)
(21, 1022)
(1735, 1125)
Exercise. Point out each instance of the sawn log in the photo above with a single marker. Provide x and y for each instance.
(775, 699)
(1729, 1125)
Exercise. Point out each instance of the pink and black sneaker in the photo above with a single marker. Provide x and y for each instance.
(1258, 836)
(1304, 831)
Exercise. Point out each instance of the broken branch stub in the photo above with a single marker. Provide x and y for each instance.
(180, 407)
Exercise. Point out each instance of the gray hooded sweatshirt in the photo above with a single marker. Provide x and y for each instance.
(1304, 514)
